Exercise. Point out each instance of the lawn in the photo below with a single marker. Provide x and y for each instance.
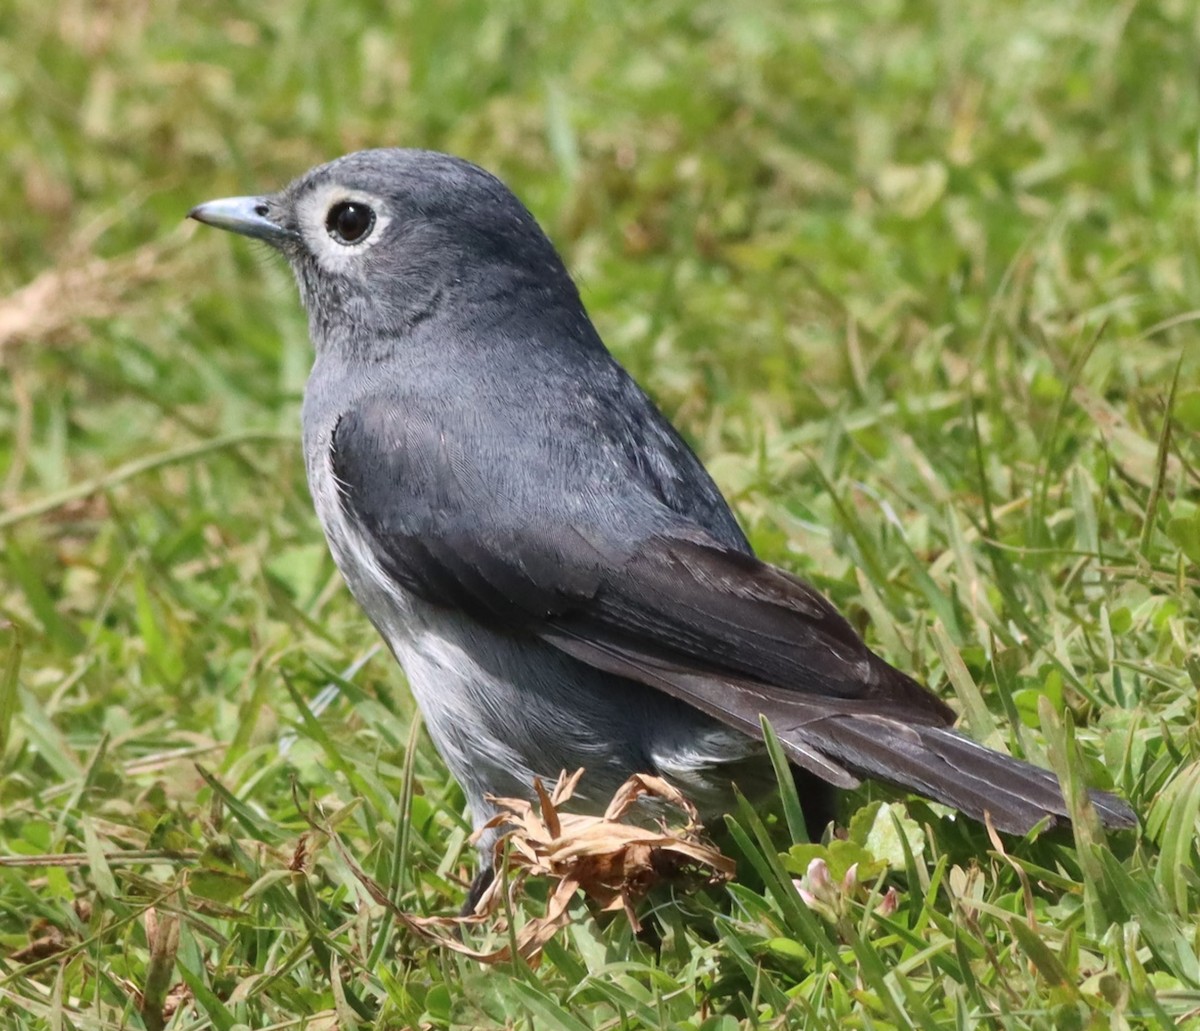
(919, 282)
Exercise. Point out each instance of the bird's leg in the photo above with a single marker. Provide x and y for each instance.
(483, 880)
(818, 802)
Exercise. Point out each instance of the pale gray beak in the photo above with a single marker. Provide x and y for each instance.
(248, 216)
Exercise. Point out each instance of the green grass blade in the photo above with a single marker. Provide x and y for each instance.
(792, 811)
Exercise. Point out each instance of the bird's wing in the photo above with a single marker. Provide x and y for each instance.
(601, 574)
(608, 579)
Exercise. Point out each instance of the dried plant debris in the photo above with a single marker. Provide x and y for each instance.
(612, 861)
(54, 306)
(45, 940)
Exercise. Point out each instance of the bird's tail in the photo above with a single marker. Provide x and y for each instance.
(945, 766)
(900, 735)
(843, 740)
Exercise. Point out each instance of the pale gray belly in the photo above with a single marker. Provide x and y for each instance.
(502, 710)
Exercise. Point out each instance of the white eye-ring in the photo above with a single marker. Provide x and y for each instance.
(339, 223)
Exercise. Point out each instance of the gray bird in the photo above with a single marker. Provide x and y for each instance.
(550, 563)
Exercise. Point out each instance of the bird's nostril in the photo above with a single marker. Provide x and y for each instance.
(261, 210)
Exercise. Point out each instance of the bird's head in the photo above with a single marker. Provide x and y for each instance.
(384, 241)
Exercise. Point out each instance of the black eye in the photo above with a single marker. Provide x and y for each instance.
(349, 221)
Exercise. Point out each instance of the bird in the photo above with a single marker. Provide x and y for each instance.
(551, 564)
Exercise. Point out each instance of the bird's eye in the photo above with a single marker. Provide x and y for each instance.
(350, 221)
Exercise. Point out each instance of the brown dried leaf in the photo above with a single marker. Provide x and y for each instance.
(43, 947)
(613, 863)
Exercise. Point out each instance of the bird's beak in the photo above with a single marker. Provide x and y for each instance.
(248, 216)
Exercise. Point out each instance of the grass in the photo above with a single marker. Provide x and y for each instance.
(919, 282)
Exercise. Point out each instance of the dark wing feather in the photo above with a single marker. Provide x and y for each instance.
(616, 581)
(694, 606)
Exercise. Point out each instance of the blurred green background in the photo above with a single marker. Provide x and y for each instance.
(916, 278)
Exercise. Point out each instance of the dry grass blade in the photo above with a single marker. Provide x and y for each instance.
(54, 305)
